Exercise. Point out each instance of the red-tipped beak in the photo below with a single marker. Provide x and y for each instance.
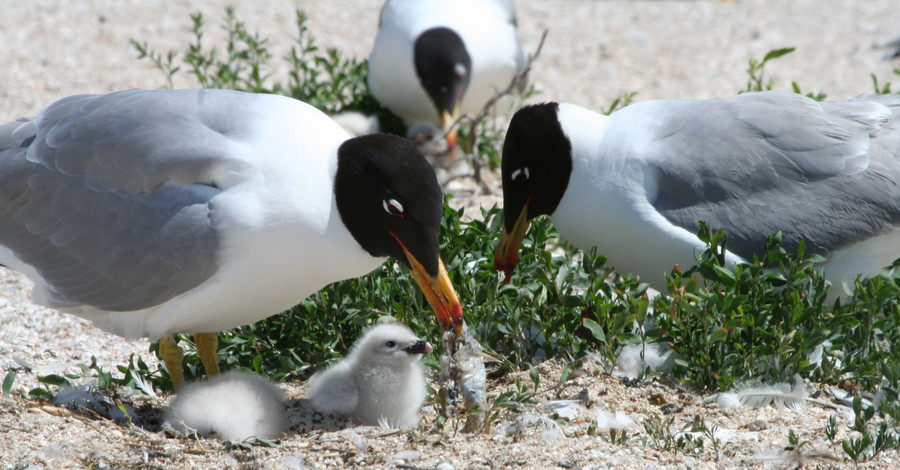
(507, 255)
(439, 291)
(447, 125)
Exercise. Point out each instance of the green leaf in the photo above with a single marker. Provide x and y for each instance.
(8, 381)
(719, 334)
(53, 379)
(595, 329)
(776, 53)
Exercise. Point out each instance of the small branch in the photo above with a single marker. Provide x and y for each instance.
(518, 78)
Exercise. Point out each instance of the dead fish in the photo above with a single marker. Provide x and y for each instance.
(463, 373)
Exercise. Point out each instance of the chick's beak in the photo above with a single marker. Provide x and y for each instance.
(439, 291)
(419, 347)
(507, 255)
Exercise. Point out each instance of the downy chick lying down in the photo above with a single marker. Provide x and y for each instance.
(233, 406)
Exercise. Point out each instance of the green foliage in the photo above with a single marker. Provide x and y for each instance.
(752, 321)
(883, 89)
(794, 441)
(136, 375)
(618, 437)
(8, 380)
(328, 82)
(872, 439)
(321, 78)
(659, 434)
(756, 70)
(831, 429)
(764, 321)
(620, 102)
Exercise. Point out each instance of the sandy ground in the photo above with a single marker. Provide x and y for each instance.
(595, 51)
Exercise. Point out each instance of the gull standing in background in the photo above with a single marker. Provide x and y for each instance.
(435, 59)
(193, 211)
(635, 183)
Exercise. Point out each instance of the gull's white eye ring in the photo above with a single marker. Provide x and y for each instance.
(393, 207)
(521, 175)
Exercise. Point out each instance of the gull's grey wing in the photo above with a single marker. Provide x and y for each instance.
(755, 164)
(110, 198)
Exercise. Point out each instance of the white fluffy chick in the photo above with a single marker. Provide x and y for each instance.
(379, 383)
(233, 406)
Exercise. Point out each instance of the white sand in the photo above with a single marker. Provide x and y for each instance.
(596, 50)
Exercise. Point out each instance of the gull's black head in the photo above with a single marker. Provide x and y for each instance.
(389, 198)
(536, 166)
(444, 68)
(390, 201)
(536, 163)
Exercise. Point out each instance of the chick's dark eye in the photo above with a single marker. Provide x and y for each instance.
(390, 344)
(393, 207)
(521, 175)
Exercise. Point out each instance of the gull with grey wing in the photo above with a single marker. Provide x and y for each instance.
(193, 211)
(635, 183)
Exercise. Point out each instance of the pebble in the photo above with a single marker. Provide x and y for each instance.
(758, 425)
(407, 456)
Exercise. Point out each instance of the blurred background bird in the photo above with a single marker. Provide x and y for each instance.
(435, 60)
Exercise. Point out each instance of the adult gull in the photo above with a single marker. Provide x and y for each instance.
(635, 183)
(193, 211)
(433, 60)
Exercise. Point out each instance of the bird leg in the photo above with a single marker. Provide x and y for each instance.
(207, 347)
(172, 356)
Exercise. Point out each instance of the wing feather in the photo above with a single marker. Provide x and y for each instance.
(111, 198)
(827, 173)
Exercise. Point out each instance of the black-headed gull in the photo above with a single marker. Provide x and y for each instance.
(158, 212)
(633, 184)
(435, 59)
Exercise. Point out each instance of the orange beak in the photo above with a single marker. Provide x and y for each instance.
(439, 292)
(447, 125)
(507, 255)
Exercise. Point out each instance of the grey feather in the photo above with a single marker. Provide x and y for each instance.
(760, 163)
(94, 172)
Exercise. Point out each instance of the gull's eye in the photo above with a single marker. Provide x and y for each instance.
(460, 71)
(521, 175)
(390, 344)
(393, 207)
